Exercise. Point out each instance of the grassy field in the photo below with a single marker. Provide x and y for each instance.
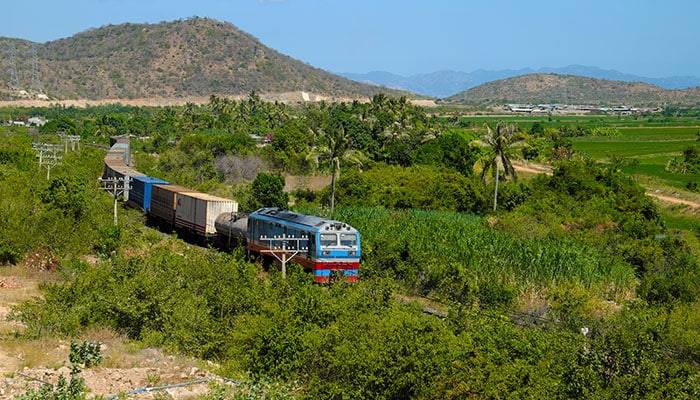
(589, 121)
(651, 140)
(652, 147)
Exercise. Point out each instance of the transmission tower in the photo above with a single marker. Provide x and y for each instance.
(36, 83)
(14, 81)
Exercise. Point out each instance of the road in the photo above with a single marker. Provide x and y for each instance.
(543, 169)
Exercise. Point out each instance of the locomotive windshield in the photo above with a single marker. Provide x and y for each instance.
(329, 239)
(348, 239)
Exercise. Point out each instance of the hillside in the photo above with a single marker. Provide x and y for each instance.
(569, 89)
(193, 57)
(443, 84)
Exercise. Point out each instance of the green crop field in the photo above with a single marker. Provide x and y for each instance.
(589, 121)
(652, 147)
(647, 142)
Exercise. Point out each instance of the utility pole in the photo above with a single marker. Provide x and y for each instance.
(284, 248)
(116, 187)
(72, 139)
(48, 157)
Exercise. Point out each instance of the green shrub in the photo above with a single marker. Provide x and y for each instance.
(87, 354)
(109, 240)
(75, 389)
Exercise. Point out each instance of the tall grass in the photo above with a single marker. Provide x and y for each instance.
(442, 252)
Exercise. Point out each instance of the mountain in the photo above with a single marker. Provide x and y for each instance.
(571, 89)
(193, 57)
(447, 83)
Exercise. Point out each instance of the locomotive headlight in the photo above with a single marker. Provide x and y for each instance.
(352, 252)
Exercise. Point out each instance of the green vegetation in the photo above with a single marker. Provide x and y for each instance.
(575, 287)
(85, 355)
(644, 145)
(653, 149)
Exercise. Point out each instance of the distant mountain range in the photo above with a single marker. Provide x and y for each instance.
(444, 84)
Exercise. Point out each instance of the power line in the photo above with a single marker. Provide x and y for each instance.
(284, 248)
(70, 139)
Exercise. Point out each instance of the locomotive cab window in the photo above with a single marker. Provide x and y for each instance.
(348, 239)
(329, 239)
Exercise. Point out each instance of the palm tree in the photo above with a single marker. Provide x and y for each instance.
(499, 145)
(337, 146)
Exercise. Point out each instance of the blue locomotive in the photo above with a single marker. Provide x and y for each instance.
(320, 245)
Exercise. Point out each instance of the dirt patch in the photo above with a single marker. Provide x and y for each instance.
(675, 200)
(314, 183)
(532, 169)
(151, 379)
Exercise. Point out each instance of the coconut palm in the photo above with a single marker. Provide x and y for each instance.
(336, 146)
(499, 144)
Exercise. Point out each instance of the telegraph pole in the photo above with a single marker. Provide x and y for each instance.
(279, 247)
(48, 157)
(116, 187)
(72, 139)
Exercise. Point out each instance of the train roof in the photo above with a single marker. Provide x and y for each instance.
(207, 197)
(312, 221)
(123, 169)
(149, 179)
(173, 188)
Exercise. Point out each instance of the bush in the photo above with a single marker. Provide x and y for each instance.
(268, 191)
(87, 354)
(418, 187)
(109, 240)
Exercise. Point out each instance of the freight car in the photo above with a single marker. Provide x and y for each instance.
(321, 246)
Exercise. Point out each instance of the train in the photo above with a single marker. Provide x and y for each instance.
(327, 248)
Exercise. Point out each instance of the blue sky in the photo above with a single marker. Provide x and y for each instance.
(648, 38)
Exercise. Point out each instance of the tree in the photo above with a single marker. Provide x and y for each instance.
(268, 191)
(289, 145)
(337, 146)
(499, 145)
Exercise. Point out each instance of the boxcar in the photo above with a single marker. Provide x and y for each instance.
(198, 211)
(164, 201)
(141, 189)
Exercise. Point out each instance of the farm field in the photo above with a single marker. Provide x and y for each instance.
(651, 140)
(652, 147)
(589, 121)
